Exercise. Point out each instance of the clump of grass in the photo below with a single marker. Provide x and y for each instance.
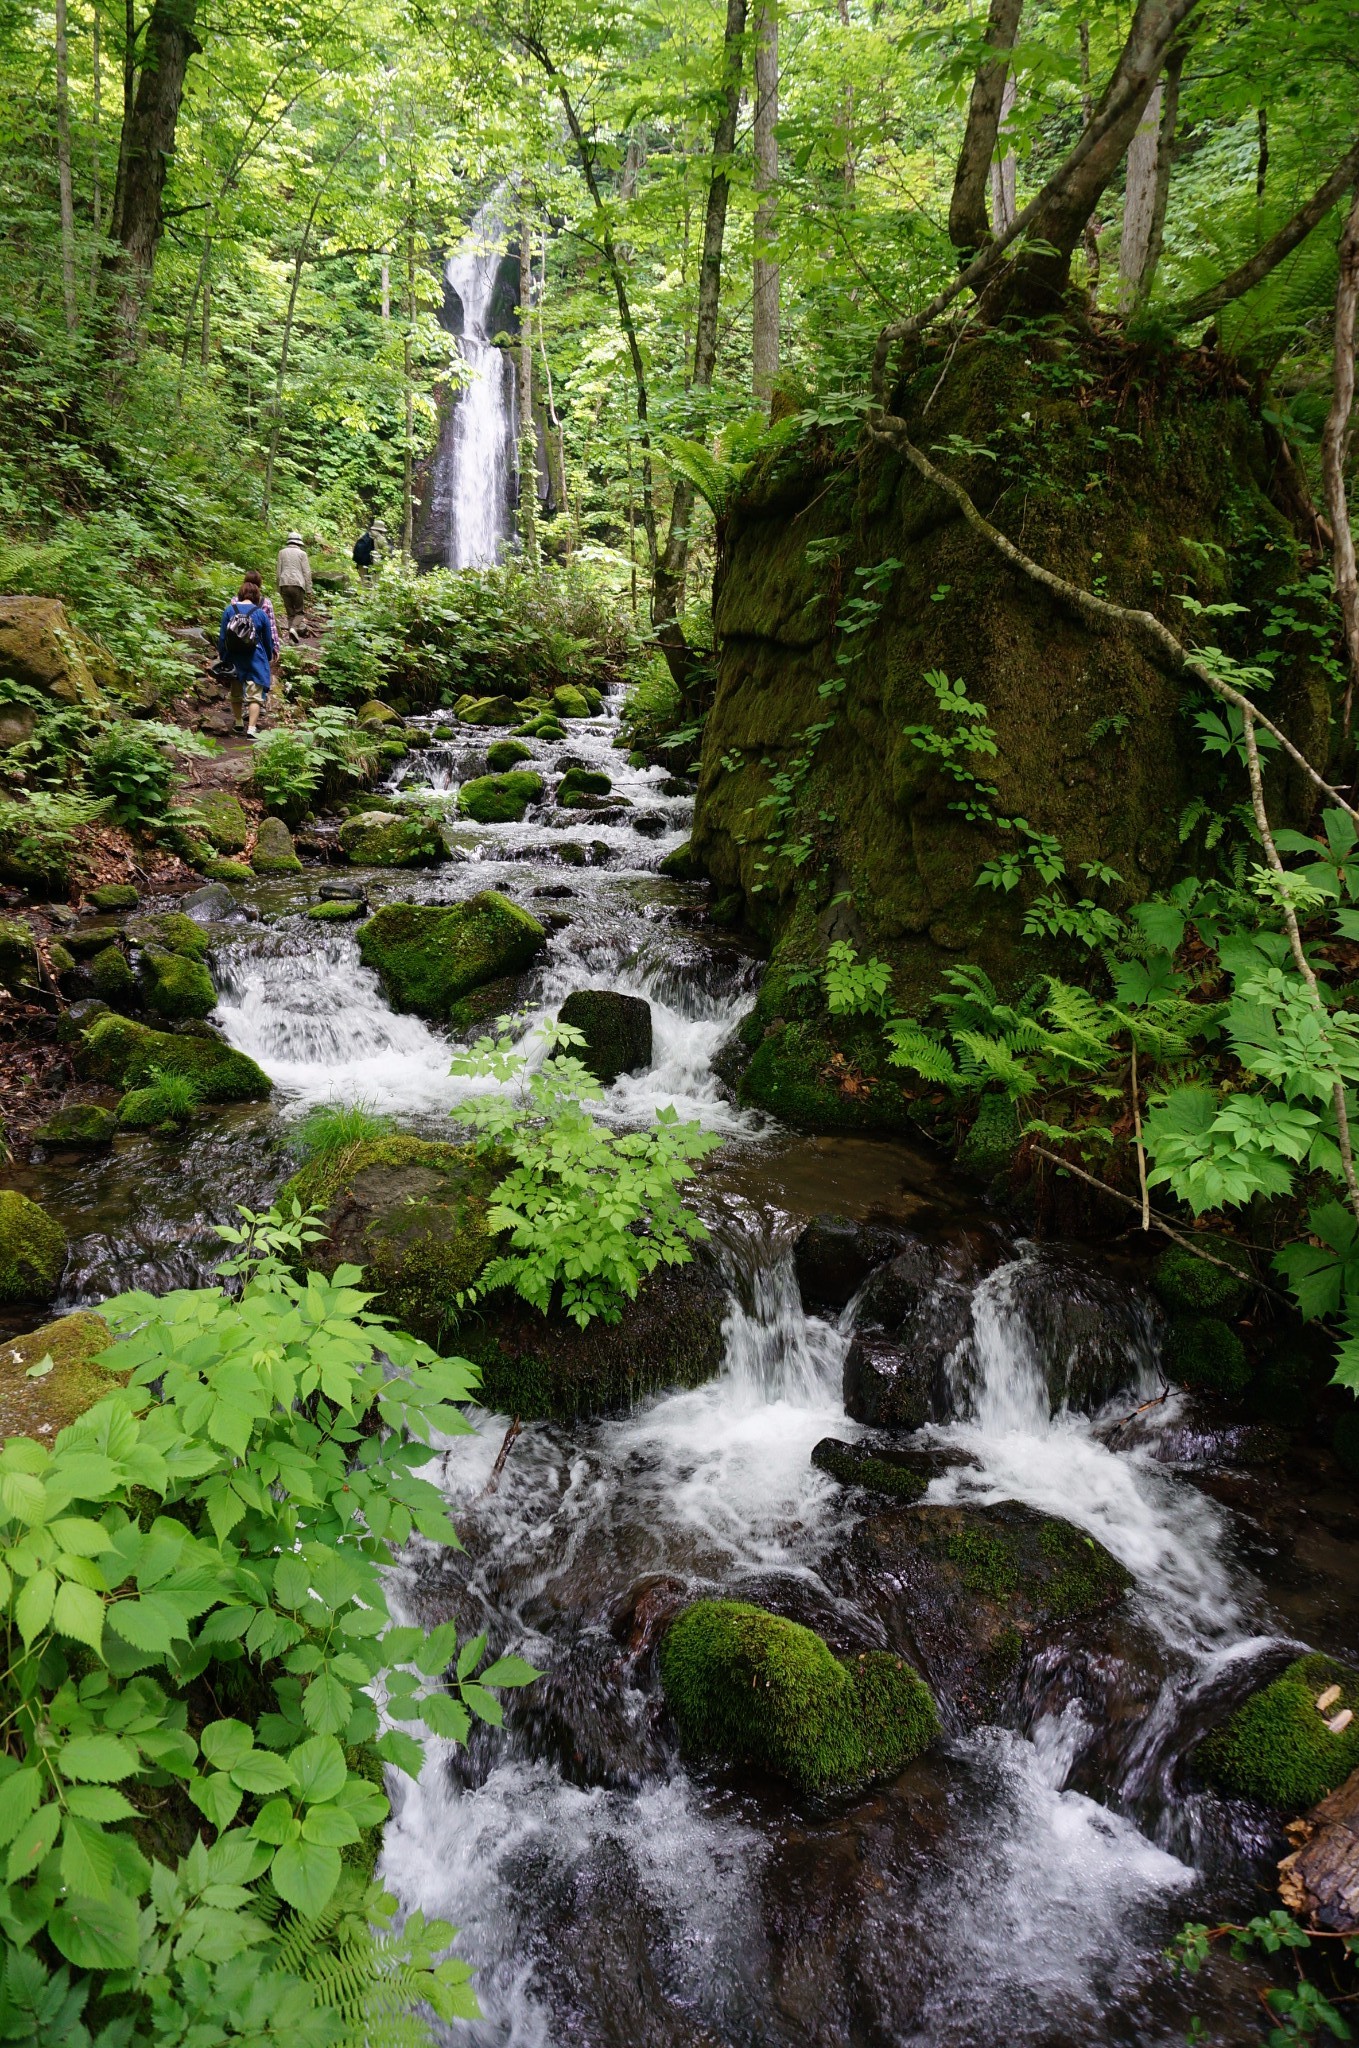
(333, 1127)
(165, 1099)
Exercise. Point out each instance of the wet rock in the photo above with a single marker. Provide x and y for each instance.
(111, 978)
(430, 956)
(678, 785)
(646, 1610)
(338, 910)
(748, 1687)
(580, 782)
(683, 865)
(1320, 1880)
(40, 1406)
(833, 1257)
(1198, 1443)
(384, 839)
(1277, 1746)
(19, 967)
(569, 702)
(554, 891)
(174, 986)
(208, 906)
(1205, 1353)
(342, 892)
(499, 799)
(503, 755)
(274, 853)
(617, 1031)
(971, 1593)
(651, 824)
(125, 1055)
(486, 710)
(81, 1127)
(885, 1466)
(1090, 1334)
(113, 896)
(32, 1249)
(78, 1019)
(87, 940)
(915, 1319)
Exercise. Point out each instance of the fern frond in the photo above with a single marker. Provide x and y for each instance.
(991, 1059)
(922, 1051)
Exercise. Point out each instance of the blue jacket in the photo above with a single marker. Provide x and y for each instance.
(256, 663)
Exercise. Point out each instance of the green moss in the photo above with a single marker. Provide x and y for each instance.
(843, 1462)
(175, 986)
(540, 728)
(1192, 1287)
(499, 799)
(502, 755)
(375, 712)
(987, 1564)
(340, 911)
(170, 931)
(1203, 1351)
(617, 1031)
(83, 1124)
(113, 979)
(683, 864)
(582, 782)
(749, 1687)
(429, 956)
(43, 1406)
(818, 1083)
(18, 955)
(113, 896)
(274, 852)
(486, 710)
(1083, 1576)
(989, 1148)
(32, 1249)
(228, 871)
(1277, 1747)
(223, 819)
(382, 839)
(124, 1054)
(569, 702)
(160, 1106)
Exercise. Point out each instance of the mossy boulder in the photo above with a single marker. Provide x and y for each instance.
(111, 977)
(748, 1687)
(145, 1109)
(971, 1594)
(412, 1213)
(85, 940)
(32, 1249)
(579, 782)
(375, 712)
(541, 728)
(486, 710)
(989, 1147)
(81, 1127)
(383, 839)
(819, 1079)
(111, 896)
(1277, 1747)
(617, 1031)
(40, 646)
(887, 1469)
(175, 986)
(125, 1055)
(170, 931)
(228, 871)
(430, 956)
(1206, 1353)
(336, 911)
(499, 799)
(43, 1404)
(18, 956)
(569, 702)
(683, 865)
(274, 852)
(502, 755)
(1190, 1286)
(221, 815)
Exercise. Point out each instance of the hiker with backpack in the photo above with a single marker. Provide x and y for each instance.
(247, 643)
(293, 576)
(363, 551)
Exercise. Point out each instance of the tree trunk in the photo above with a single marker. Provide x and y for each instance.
(1165, 164)
(125, 126)
(96, 195)
(66, 196)
(765, 300)
(1003, 171)
(1261, 154)
(302, 248)
(528, 439)
(968, 227)
(205, 332)
(847, 110)
(1090, 233)
(668, 583)
(555, 436)
(1335, 444)
(170, 42)
(1140, 203)
(408, 378)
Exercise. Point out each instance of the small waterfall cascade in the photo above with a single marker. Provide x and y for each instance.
(474, 468)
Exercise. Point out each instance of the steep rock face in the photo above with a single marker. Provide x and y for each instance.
(1146, 479)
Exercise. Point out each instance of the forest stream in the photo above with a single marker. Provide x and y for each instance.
(1018, 1883)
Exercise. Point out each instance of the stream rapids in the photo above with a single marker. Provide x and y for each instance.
(1018, 1883)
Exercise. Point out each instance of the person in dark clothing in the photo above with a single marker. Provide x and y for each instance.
(246, 642)
(363, 550)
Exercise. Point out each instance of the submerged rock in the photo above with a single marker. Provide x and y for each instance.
(126, 1055)
(617, 1031)
(499, 799)
(1278, 1748)
(833, 1256)
(32, 1249)
(429, 956)
(914, 1321)
(41, 1406)
(748, 1687)
(84, 1126)
(274, 852)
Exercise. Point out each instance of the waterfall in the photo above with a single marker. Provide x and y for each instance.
(472, 486)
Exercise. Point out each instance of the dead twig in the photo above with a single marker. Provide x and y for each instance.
(506, 1447)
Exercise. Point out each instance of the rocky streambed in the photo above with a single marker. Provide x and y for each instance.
(873, 1411)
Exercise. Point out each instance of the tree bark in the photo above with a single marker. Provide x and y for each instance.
(65, 192)
(125, 126)
(968, 227)
(556, 433)
(1247, 275)
(302, 249)
(1335, 446)
(847, 110)
(1090, 233)
(1139, 202)
(408, 379)
(1003, 169)
(96, 195)
(169, 44)
(528, 439)
(1165, 164)
(668, 582)
(765, 298)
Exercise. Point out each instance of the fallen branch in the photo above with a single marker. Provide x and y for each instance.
(506, 1447)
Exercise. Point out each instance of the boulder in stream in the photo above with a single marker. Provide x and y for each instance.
(32, 1249)
(125, 1055)
(41, 1403)
(884, 1466)
(503, 755)
(617, 1031)
(486, 710)
(78, 1127)
(386, 839)
(914, 1321)
(220, 813)
(833, 1256)
(274, 852)
(111, 978)
(1280, 1746)
(580, 782)
(112, 896)
(429, 956)
(173, 985)
(748, 1687)
(569, 702)
(499, 799)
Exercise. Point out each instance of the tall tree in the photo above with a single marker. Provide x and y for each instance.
(1335, 447)
(148, 143)
(528, 439)
(65, 192)
(968, 226)
(765, 293)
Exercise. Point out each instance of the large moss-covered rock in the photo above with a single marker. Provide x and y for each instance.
(384, 839)
(111, 896)
(170, 931)
(617, 1031)
(1191, 1286)
(41, 647)
(111, 977)
(579, 782)
(502, 755)
(32, 1249)
(430, 956)
(220, 814)
(79, 1127)
(18, 955)
(820, 1078)
(274, 852)
(1278, 1748)
(39, 1403)
(499, 799)
(1206, 1353)
(748, 1687)
(569, 702)
(125, 1055)
(174, 986)
(486, 710)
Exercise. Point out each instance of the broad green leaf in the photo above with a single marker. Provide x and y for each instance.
(79, 1612)
(318, 1766)
(484, 1705)
(331, 1825)
(226, 1743)
(445, 1716)
(101, 1759)
(275, 1822)
(98, 1802)
(216, 1798)
(509, 1671)
(32, 1842)
(326, 1705)
(19, 1794)
(262, 1772)
(305, 1874)
(96, 1934)
(23, 1496)
(87, 1864)
(33, 1608)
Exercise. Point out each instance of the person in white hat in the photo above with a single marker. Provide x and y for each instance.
(294, 584)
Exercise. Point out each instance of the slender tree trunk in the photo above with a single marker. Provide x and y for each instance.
(1335, 445)
(386, 268)
(528, 439)
(968, 227)
(668, 583)
(96, 195)
(1090, 233)
(190, 318)
(205, 331)
(556, 433)
(1261, 154)
(65, 190)
(408, 375)
(847, 110)
(1165, 164)
(302, 248)
(125, 126)
(1003, 170)
(1139, 203)
(170, 42)
(765, 301)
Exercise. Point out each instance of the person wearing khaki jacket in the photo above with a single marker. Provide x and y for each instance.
(294, 583)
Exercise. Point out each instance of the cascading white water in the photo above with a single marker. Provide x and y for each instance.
(475, 465)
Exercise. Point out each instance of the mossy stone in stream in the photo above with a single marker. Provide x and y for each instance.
(174, 986)
(579, 782)
(854, 1466)
(1190, 1286)
(542, 728)
(617, 1031)
(170, 931)
(32, 1249)
(274, 852)
(749, 1687)
(40, 1407)
(1205, 1352)
(486, 710)
(125, 1055)
(375, 712)
(222, 816)
(384, 839)
(683, 865)
(112, 896)
(499, 799)
(83, 1126)
(111, 977)
(336, 911)
(18, 955)
(569, 702)
(817, 1081)
(228, 871)
(502, 755)
(429, 956)
(1277, 1747)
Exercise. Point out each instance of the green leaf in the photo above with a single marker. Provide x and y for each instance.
(216, 1798)
(23, 1496)
(103, 1759)
(33, 1608)
(226, 1743)
(19, 1794)
(509, 1671)
(327, 1705)
(445, 1716)
(96, 1934)
(87, 1865)
(98, 1802)
(305, 1874)
(484, 1705)
(330, 1825)
(318, 1766)
(32, 1842)
(275, 1822)
(79, 1612)
(262, 1772)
